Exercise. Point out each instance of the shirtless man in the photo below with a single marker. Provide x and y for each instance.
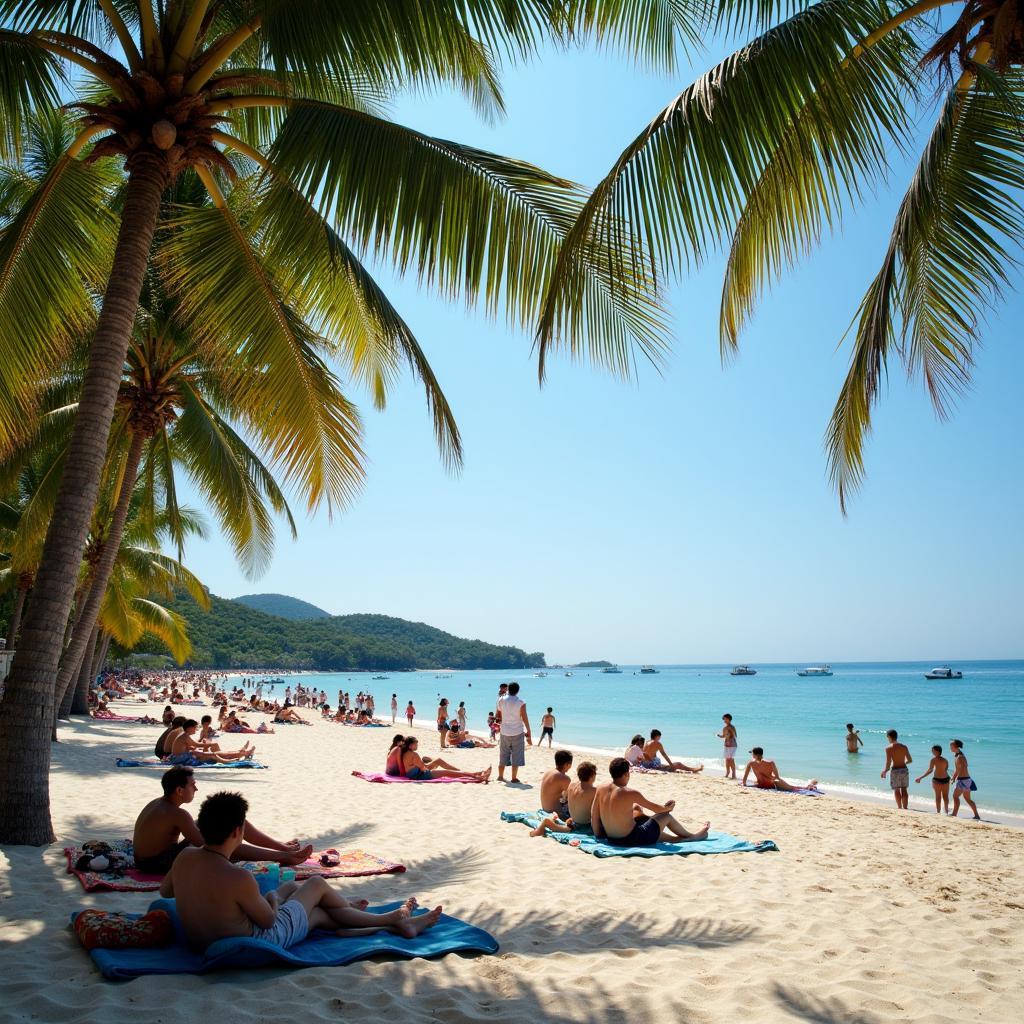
(554, 785)
(186, 751)
(963, 784)
(897, 760)
(217, 900)
(853, 740)
(767, 775)
(580, 800)
(162, 821)
(938, 768)
(618, 816)
(654, 751)
(547, 727)
(162, 746)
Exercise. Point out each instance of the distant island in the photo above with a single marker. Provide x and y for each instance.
(283, 606)
(234, 635)
(593, 664)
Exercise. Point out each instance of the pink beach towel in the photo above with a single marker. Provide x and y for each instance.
(124, 718)
(381, 777)
(352, 864)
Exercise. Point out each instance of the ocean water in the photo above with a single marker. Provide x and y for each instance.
(800, 722)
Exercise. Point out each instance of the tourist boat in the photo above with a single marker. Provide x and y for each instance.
(541, 675)
(612, 670)
(816, 670)
(944, 673)
(381, 677)
(648, 670)
(743, 670)
(568, 674)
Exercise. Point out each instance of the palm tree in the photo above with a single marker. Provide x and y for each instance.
(295, 87)
(767, 149)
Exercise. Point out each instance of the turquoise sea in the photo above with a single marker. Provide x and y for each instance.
(800, 722)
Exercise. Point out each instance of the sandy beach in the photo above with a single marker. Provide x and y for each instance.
(863, 916)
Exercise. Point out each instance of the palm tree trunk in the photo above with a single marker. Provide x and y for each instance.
(101, 655)
(12, 629)
(26, 715)
(86, 623)
(79, 693)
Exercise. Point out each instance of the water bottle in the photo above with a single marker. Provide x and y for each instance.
(287, 875)
(273, 875)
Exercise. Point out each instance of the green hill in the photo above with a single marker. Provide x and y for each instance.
(233, 635)
(282, 606)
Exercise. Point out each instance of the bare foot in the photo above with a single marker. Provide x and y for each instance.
(813, 784)
(412, 926)
(297, 856)
(703, 832)
(540, 829)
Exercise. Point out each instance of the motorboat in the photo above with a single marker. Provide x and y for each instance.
(743, 670)
(944, 673)
(612, 670)
(648, 670)
(816, 670)
(542, 675)
(382, 677)
(568, 674)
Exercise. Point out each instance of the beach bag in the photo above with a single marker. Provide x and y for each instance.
(100, 929)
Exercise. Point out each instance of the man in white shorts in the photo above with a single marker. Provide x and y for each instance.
(515, 733)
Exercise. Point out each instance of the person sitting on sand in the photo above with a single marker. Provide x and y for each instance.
(186, 751)
(897, 762)
(168, 715)
(767, 775)
(289, 714)
(963, 784)
(207, 733)
(264, 729)
(415, 767)
(938, 768)
(218, 900)
(235, 724)
(635, 751)
(653, 748)
(162, 746)
(162, 821)
(853, 740)
(393, 762)
(618, 818)
(460, 738)
(554, 784)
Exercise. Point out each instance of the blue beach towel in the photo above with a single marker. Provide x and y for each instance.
(717, 842)
(320, 949)
(154, 762)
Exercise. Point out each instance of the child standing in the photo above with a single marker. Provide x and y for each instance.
(938, 768)
(547, 728)
(728, 738)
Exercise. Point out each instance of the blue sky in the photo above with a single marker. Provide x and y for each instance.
(685, 517)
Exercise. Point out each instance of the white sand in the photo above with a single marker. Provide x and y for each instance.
(864, 916)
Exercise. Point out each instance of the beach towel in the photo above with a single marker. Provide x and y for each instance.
(320, 949)
(155, 762)
(381, 777)
(125, 718)
(352, 864)
(717, 842)
(798, 791)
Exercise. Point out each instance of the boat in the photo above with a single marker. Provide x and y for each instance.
(743, 670)
(541, 675)
(382, 677)
(568, 674)
(612, 670)
(648, 670)
(944, 673)
(816, 670)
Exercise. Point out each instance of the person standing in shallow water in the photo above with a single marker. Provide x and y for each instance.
(853, 740)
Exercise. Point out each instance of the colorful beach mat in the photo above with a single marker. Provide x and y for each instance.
(351, 864)
(320, 949)
(145, 719)
(155, 762)
(798, 791)
(717, 842)
(381, 777)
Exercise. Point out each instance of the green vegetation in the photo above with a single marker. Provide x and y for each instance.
(283, 606)
(234, 635)
(593, 664)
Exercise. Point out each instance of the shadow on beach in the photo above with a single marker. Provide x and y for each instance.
(821, 1010)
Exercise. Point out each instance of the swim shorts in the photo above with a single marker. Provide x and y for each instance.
(646, 832)
(899, 778)
(160, 863)
(512, 751)
(548, 730)
(730, 752)
(289, 928)
(966, 783)
(419, 774)
(187, 759)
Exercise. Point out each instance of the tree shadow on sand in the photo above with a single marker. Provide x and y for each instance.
(820, 1010)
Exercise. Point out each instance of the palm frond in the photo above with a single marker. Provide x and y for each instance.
(30, 80)
(948, 259)
(680, 186)
(471, 224)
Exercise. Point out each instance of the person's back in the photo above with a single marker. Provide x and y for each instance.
(163, 745)
(614, 805)
(207, 887)
(552, 788)
(157, 827)
(510, 712)
(180, 745)
(580, 794)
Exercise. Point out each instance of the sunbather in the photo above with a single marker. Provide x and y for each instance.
(458, 737)
(216, 900)
(162, 821)
(163, 745)
(186, 751)
(767, 775)
(618, 816)
(289, 714)
(424, 769)
(654, 751)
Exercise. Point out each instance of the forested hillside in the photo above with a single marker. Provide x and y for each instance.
(232, 634)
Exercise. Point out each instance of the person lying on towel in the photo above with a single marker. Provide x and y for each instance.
(164, 828)
(217, 900)
(619, 819)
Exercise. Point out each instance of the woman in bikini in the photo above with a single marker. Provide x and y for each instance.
(940, 780)
(422, 770)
